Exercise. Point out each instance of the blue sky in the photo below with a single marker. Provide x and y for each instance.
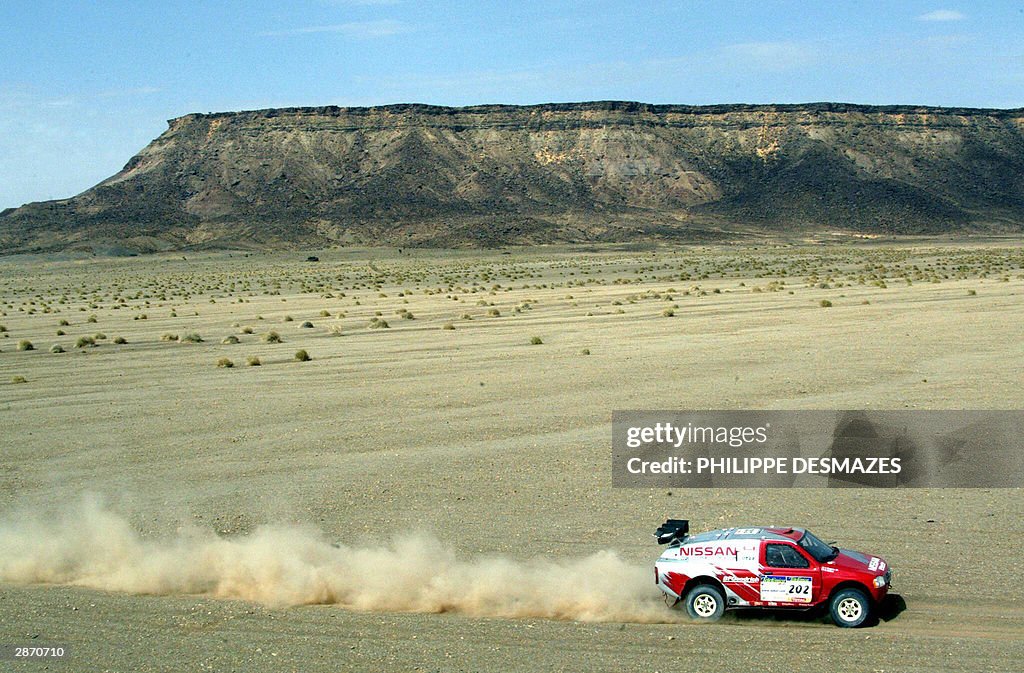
(85, 85)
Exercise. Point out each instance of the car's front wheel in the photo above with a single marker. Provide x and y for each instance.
(849, 608)
(705, 603)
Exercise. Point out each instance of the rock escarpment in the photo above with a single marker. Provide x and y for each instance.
(496, 174)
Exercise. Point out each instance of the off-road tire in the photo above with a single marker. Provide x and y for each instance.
(705, 603)
(849, 608)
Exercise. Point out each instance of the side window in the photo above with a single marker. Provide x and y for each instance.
(784, 556)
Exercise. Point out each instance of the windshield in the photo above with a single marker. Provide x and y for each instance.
(816, 548)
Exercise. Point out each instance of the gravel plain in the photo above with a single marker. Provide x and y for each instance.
(451, 430)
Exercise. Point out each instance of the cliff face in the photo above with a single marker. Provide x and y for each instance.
(488, 175)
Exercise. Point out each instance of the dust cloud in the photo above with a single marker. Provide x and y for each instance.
(89, 545)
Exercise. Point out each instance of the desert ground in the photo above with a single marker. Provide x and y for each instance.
(435, 494)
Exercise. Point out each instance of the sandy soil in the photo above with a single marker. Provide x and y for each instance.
(485, 444)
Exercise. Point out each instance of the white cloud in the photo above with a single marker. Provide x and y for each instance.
(942, 15)
(355, 29)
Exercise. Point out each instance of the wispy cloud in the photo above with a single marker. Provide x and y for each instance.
(943, 41)
(355, 29)
(773, 56)
(350, 3)
(136, 91)
(58, 102)
(620, 79)
(15, 98)
(470, 80)
(942, 15)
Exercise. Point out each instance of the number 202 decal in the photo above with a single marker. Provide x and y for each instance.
(799, 589)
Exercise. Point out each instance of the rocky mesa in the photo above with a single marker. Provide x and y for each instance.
(497, 174)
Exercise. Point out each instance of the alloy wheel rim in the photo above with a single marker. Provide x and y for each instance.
(705, 605)
(849, 609)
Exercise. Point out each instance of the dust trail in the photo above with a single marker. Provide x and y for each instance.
(92, 546)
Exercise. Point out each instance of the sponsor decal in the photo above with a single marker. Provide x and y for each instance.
(786, 589)
(739, 580)
(708, 550)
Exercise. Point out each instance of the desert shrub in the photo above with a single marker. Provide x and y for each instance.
(3, 328)
(93, 318)
(246, 330)
(971, 293)
(84, 341)
(253, 361)
(288, 318)
(668, 313)
(273, 338)
(448, 325)
(19, 379)
(379, 323)
(229, 339)
(466, 316)
(61, 332)
(56, 348)
(191, 338)
(99, 336)
(536, 341)
(306, 325)
(825, 303)
(585, 351)
(325, 314)
(63, 323)
(302, 356)
(25, 345)
(225, 363)
(169, 337)
(494, 313)
(408, 316)
(120, 341)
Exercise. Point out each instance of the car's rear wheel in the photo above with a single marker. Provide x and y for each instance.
(849, 608)
(705, 603)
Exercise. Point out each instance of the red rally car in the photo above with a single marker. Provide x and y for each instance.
(767, 567)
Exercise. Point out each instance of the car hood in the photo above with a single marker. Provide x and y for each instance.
(858, 562)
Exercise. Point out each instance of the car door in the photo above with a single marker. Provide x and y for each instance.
(789, 577)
